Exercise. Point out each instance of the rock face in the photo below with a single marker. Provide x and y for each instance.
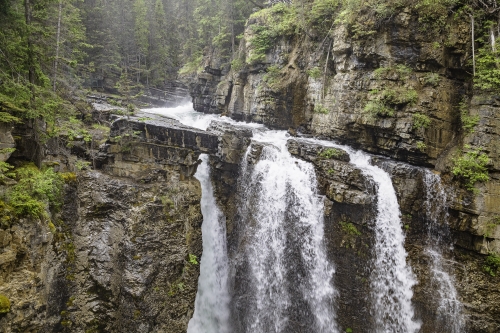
(122, 254)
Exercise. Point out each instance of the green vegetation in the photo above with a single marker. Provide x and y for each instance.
(35, 192)
(318, 108)
(348, 330)
(4, 304)
(491, 226)
(349, 228)
(193, 260)
(329, 153)
(272, 76)
(382, 103)
(468, 122)
(278, 21)
(432, 79)
(420, 121)
(492, 264)
(314, 73)
(487, 76)
(421, 146)
(378, 108)
(471, 167)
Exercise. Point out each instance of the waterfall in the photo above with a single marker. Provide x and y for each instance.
(436, 206)
(392, 279)
(285, 252)
(211, 312)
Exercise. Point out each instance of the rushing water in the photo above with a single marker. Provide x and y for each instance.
(285, 259)
(436, 206)
(285, 214)
(211, 314)
(391, 279)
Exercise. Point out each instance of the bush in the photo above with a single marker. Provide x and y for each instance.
(492, 264)
(318, 108)
(468, 122)
(314, 73)
(330, 152)
(35, 191)
(272, 76)
(432, 79)
(378, 108)
(471, 167)
(421, 146)
(4, 304)
(487, 76)
(420, 120)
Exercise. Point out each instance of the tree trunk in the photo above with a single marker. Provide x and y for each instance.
(30, 63)
(58, 38)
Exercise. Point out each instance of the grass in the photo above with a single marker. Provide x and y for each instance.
(420, 121)
(330, 153)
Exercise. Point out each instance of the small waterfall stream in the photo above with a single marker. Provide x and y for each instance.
(436, 207)
(288, 275)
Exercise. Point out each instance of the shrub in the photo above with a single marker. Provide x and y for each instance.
(492, 264)
(193, 260)
(471, 167)
(350, 229)
(330, 152)
(35, 191)
(378, 108)
(4, 304)
(487, 76)
(468, 122)
(314, 73)
(432, 79)
(420, 120)
(272, 76)
(318, 108)
(421, 146)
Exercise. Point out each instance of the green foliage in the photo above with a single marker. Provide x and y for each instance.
(314, 73)
(35, 192)
(276, 21)
(492, 264)
(260, 43)
(471, 167)
(487, 76)
(432, 79)
(378, 108)
(397, 72)
(4, 304)
(348, 330)
(350, 229)
(272, 76)
(193, 65)
(237, 64)
(318, 108)
(329, 153)
(491, 226)
(421, 146)
(468, 122)
(420, 121)
(193, 260)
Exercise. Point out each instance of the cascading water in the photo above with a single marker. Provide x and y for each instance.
(289, 274)
(392, 279)
(211, 314)
(285, 251)
(450, 308)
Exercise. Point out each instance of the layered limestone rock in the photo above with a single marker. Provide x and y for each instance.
(122, 255)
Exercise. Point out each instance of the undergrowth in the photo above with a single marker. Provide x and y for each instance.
(471, 167)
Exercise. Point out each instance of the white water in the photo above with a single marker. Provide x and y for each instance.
(211, 313)
(281, 188)
(392, 279)
(286, 215)
(450, 308)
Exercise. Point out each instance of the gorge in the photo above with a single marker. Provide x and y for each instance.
(304, 166)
